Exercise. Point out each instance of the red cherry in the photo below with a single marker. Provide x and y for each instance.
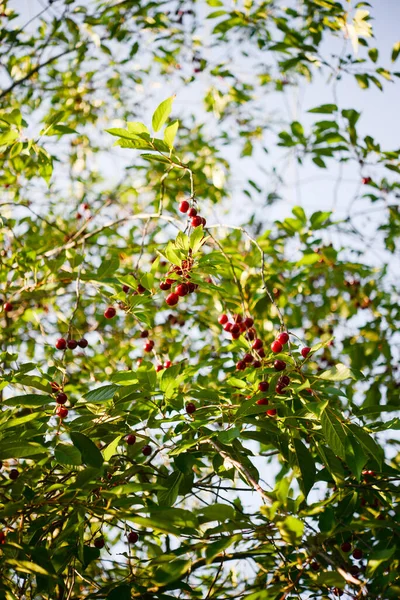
(159, 368)
(237, 318)
(271, 412)
(242, 327)
(263, 386)
(223, 319)
(170, 281)
(61, 344)
(146, 450)
(190, 408)
(140, 289)
(305, 351)
(261, 353)
(357, 553)
(240, 365)
(262, 401)
(235, 329)
(133, 537)
(7, 306)
(144, 333)
(184, 206)
(99, 543)
(279, 365)
(182, 289)
(315, 566)
(257, 364)
(61, 398)
(228, 327)
(82, 343)
(130, 439)
(248, 358)
(346, 547)
(2, 537)
(236, 335)
(110, 312)
(165, 285)
(14, 474)
(149, 345)
(196, 221)
(366, 180)
(257, 344)
(192, 287)
(61, 411)
(284, 380)
(249, 322)
(167, 364)
(54, 386)
(250, 335)
(203, 221)
(280, 389)
(276, 347)
(283, 338)
(338, 592)
(126, 289)
(172, 299)
(72, 344)
(192, 212)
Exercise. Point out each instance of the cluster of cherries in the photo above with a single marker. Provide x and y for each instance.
(181, 289)
(132, 539)
(195, 219)
(131, 440)
(63, 344)
(61, 398)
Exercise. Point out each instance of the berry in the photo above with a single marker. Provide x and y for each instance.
(262, 401)
(250, 335)
(110, 312)
(99, 543)
(146, 450)
(192, 287)
(7, 306)
(279, 389)
(2, 537)
(283, 337)
(196, 221)
(228, 327)
(184, 206)
(248, 358)
(167, 364)
(242, 327)
(257, 364)
(241, 365)
(223, 319)
(305, 351)
(149, 345)
(130, 439)
(192, 212)
(144, 333)
(203, 221)
(263, 386)
(61, 344)
(126, 289)
(284, 380)
(159, 368)
(357, 553)
(257, 344)
(271, 412)
(190, 408)
(172, 299)
(366, 180)
(61, 398)
(249, 322)
(72, 344)
(315, 566)
(236, 335)
(261, 353)
(237, 318)
(83, 343)
(165, 285)
(182, 289)
(61, 411)
(276, 347)
(14, 474)
(235, 329)
(132, 535)
(346, 547)
(338, 591)
(279, 365)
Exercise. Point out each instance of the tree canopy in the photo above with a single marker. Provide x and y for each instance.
(199, 398)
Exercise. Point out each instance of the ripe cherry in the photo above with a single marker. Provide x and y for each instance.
(7, 306)
(357, 553)
(164, 285)
(279, 365)
(338, 592)
(223, 319)
(159, 368)
(276, 347)
(149, 345)
(2, 537)
(263, 386)
(257, 344)
(184, 206)
(14, 474)
(257, 364)
(140, 289)
(366, 180)
(250, 335)
(61, 411)
(61, 398)
(167, 364)
(280, 389)
(228, 327)
(249, 322)
(72, 344)
(190, 408)
(262, 401)
(305, 351)
(283, 338)
(146, 450)
(261, 353)
(61, 344)
(192, 287)
(196, 221)
(82, 343)
(235, 329)
(248, 358)
(271, 412)
(130, 439)
(99, 543)
(240, 365)
(315, 566)
(346, 547)
(182, 289)
(133, 537)
(192, 212)
(144, 333)
(236, 335)
(110, 312)
(126, 289)
(284, 380)
(172, 299)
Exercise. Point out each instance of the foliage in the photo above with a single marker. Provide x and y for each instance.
(168, 470)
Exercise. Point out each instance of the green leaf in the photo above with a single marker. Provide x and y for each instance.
(121, 592)
(108, 267)
(395, 51)
(162, 113)
(334, 433)
(137, 128)
(324, 109)
(291, 530)
(170, 133)
(216, 512)
(338, 373)
(28, 400)
(20, 449)
(171, 571)
(306, 465)
(66, 454)
(91, 455)
(227, 436)
(111, 449)
(367, 442)
(168, 496)
(101, 394)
